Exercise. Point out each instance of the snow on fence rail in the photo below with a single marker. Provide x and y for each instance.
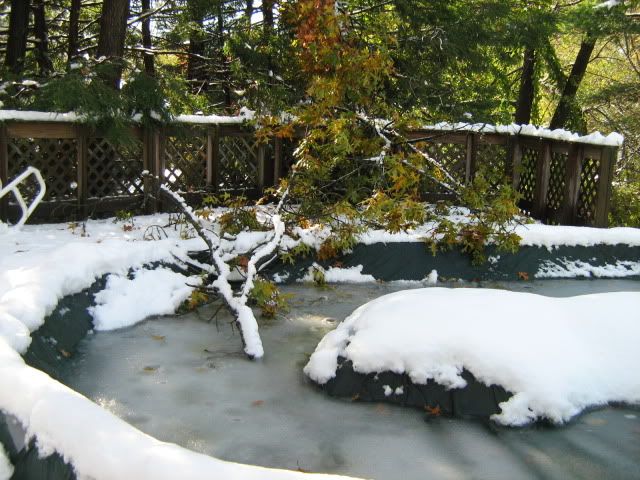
(563, 178)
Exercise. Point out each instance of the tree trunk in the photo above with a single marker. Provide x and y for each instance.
(248, 12)
(526, 92)
(42, 37)
(74, 19)
(195, 63)
(113, 29)
(562, 114)
(267, 16)
(149, 66)
(18, 30)
(226, 89)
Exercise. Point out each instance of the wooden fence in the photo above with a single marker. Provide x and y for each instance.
(87, 175)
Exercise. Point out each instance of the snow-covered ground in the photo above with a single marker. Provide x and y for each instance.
(557, 356)
(41, 264)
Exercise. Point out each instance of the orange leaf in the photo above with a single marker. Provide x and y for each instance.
(523, 276)
(433, 411)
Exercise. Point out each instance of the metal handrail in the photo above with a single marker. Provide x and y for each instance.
(13, 187)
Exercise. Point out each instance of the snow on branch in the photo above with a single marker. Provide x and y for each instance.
(220, 255)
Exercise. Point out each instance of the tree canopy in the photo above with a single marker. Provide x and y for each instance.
(564, 64)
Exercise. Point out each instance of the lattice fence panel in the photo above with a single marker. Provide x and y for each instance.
(588, 196)
(55, 158)
(186, 163)
(491, 163)
(238, 163)
(557, 180)
(114, 170)
(528, 166)
(451, 156)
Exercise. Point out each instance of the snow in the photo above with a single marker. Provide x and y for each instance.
(596, 138)
(6, 469)
(532, 235)
(432, 278)
(339, 275)
(72, 117)
(125, 302)
(558, 356)
(563, 268)
(609, 4)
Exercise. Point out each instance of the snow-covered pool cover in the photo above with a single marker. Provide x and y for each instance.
(557, 356)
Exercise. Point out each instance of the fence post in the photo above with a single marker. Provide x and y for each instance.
(148, 164)
(213, 157)
(543, 170)
(471, 155)
(572, 184)
(159, 160)
(608, 157)
(277, 160)
(262, 164)
(4, 172)
(82, 166)
(513, 165)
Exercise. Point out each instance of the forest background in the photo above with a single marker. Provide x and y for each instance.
(571, 64)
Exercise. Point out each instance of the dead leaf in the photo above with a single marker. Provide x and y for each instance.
(150, 368)
(382, 409)
(159, 338)
(433, 411)
(127, 228)
(64, 353)
(257, 403)
(595, 421)
(523, 276)
(300, 469)
(243, 262)
(356, 397)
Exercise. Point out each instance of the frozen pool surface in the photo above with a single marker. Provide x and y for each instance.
(184, 380)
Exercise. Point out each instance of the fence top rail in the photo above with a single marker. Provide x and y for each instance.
(596, 138)
(72, 117)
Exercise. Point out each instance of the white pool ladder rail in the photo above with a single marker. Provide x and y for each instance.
(13, 187)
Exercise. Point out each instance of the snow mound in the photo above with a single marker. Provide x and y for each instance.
(557, 356)
(6, 469)
(125, 302)
(339, 275)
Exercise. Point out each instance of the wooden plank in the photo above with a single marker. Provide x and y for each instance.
(209, 156)
(572, 185)
(277, 160)
(159, 154)
(471, 155)
(41, 130)
(148, 164)
(513, 164)
(4, 172)
(492, 139)
(543, 171)
(82, 170)
(262, 161)
(608, 159)
(436, 136)
(215, 157)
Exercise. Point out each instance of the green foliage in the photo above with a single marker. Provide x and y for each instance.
(268, 298)
(490, 220)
